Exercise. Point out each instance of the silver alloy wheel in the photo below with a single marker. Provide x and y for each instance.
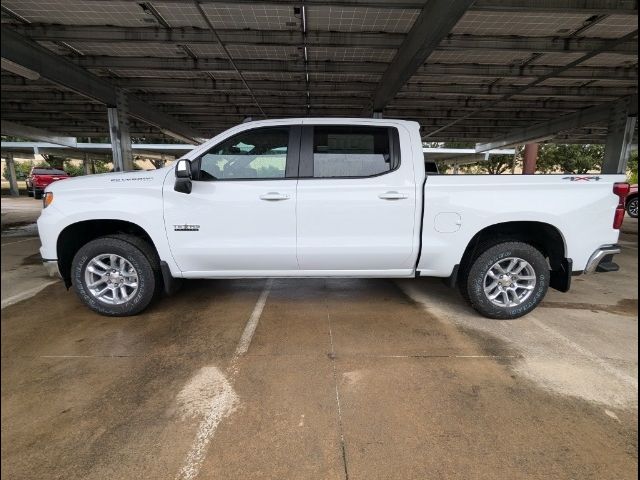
(509, 282)
(632, 208)
(111, 279)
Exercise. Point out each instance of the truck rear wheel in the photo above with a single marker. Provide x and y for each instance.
(115, 275)
(632, 207)
(506, 280)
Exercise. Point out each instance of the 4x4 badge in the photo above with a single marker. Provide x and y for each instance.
(582, 179)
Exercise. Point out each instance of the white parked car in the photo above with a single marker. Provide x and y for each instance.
(325, 197)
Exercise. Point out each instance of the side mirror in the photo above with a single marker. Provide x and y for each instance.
(183, 169)
(183, 177)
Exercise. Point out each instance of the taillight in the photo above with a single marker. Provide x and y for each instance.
(621, 189)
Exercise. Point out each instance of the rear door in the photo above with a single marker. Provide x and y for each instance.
(356, 200)
(240, 217)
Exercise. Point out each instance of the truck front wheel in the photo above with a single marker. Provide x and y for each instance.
(506, 280)
(115, 275)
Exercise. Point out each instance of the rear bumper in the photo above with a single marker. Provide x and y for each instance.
(601, 260)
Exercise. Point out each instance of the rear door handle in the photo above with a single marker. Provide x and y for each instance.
(393, 196)
(274, 196)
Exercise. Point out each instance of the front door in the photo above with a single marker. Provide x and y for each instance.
(356, 201)
(240, 217)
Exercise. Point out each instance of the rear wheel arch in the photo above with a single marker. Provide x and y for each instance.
(543, 236)
(75, 236)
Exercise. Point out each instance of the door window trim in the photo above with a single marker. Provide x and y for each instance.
(291, 162)
(306, 168)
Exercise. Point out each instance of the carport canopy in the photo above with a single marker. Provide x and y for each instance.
(475, 72)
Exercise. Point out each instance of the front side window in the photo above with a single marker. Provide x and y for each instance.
(352, 151)
(254, 154)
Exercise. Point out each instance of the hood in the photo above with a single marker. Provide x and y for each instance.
(115, 180)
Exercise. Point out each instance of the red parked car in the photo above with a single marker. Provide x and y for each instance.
(39, 178)
(632, 201)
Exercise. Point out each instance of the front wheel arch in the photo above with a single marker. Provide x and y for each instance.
(75, 236)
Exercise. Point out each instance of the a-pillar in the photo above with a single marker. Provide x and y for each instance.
(530, 158)
(13, 179)
(619, 137)
(119, 132)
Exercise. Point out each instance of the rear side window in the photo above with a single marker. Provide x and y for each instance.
(352, 151)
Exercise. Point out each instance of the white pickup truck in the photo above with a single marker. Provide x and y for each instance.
(327, 197)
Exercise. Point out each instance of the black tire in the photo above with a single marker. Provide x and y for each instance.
(472, 283)
(632, 207)
(29, 191)
(141, 256)
(37, 194)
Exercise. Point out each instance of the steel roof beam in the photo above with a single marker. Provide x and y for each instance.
(629, 7)
(534, 44)
(622, 7)
(19, 130)
(232, 109)
(434, 23)
(273, 87)
(193, 35)
(430, 69)
(61, 71)
(204, 100)
(207, 119)
(561, 124)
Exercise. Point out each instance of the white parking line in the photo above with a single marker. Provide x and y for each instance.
(26, 294)
(249, 330)
(222, 398)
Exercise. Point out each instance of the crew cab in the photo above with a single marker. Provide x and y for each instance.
(39, 178)
(327, 197)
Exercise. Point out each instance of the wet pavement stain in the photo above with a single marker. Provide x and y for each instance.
(627, 307)
(34, 259)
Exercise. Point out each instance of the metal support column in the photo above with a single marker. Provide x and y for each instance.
(530, 158)
(119, 132)
(619, 137)
(87, 164)
(13, 179)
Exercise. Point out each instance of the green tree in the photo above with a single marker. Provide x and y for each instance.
(496, 165)
(632, 167)
(576, 159)
(54, 161)
(22, 169)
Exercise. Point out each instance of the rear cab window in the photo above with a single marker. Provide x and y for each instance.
(349, 151)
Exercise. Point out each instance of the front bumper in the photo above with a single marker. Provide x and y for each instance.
(51, 266)
(601, 260)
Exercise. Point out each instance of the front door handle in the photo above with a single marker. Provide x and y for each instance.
(274, 197)
(393, 196)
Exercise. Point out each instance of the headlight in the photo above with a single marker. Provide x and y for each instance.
(47, 199)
